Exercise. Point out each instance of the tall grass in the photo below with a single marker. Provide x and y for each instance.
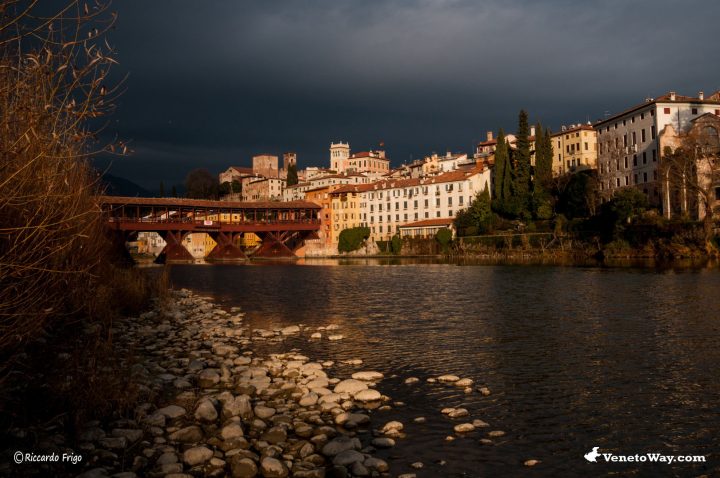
(58, 270)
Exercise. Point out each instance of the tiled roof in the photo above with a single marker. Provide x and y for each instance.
(178, 202)
(711, 99)
(586, 127)
(448, 177)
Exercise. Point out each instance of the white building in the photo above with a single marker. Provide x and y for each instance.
(386, 205)
(297, 191)
(628, 144)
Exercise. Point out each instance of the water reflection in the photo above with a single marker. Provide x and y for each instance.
(615, 357)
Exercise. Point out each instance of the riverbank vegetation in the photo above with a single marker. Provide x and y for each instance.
(62, 281)
(533, 211)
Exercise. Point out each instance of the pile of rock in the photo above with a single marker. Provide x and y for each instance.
(229, 413)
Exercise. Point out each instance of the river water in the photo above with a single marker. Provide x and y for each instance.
(625, 359)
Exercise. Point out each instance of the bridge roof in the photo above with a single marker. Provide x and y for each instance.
(182, 202)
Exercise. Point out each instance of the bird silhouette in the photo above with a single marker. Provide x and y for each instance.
(592, 456)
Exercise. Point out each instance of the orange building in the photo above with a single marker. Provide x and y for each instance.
(321, 196)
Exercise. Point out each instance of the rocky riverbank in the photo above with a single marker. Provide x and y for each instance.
(215, 409)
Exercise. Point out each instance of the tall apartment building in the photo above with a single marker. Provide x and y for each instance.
(629, 152)
(341, 161)
(386, 205)
(574, 149)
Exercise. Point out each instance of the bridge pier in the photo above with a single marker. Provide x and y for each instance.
(174, 250)
(273, 246)
(226, 248)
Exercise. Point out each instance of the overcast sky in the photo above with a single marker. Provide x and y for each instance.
(212, 83)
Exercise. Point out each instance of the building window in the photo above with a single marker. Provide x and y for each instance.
(617, 180)
(627, 180)
(450, 201)
(644, 177)
(644, 157)
(717, 190)
(666, 111)
(652, 132)
(437, 213)
(654, 152)
(460, 200)
(626, 162)
(642, 134)
(642, 116)
(635, 178)
(694, 111)
(634, 159)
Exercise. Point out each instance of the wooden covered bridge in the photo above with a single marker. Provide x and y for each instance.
(282, 226)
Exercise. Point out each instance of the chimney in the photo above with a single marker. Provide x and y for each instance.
(532, 130)
(489, 135)
(701, 96)
(672, 96)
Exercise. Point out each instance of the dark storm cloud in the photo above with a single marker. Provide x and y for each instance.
(212, 83)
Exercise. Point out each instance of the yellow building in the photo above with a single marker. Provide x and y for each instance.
(199, 245)
(345, 210)
(574, 149)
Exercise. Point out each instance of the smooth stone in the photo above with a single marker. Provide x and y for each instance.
(273, 468)
(206, 411)
(392, 426)
(367, 395)
(264, 412)
(340, 444)
(448, 378)
(383, 442)
(274, 435)
(458, 413)
(531, 462)
(464, 382)
(197, 455)
(336, 337)
(351, 386)
(208, 378)
(348, 457)
(417, 465)
(233, 430)
(464, 428)
(316, 335)
(486, 441)
(419, 420)
(496, 433)
(368, 376)
(411, 380)
(242, 467)
(308, 400)
(171, 411)
(191, 434)
(238, 406)
(480, 424)
(292, 329)
(484, 391)
(167, 458)
(376, 464)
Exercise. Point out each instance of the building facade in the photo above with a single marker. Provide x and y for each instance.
(262, 189)
(386, 205)
(265, 165)
(574, 149)
(629, 152)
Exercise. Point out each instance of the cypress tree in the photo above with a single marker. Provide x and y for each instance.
(174, 191)
(542, 178)
(503, 174)
(521, 162)
(162, 189)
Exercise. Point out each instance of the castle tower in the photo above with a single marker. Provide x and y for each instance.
(339, 155)
(288, 159)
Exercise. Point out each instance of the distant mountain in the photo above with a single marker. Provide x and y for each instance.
(117, 186)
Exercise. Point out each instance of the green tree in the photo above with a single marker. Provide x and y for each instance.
(444, 238)
(503, 174)
(174, 191)
(542, 177)
(521, 185)
(396, 244)
(200, 184)
(236, 186)
(162, 189)
(292, 176)
(478, 218)
(351, 239)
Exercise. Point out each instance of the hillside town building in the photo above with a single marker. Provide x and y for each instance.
(629, 152)
(574, 149)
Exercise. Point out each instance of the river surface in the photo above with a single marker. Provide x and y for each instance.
(624, 359)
